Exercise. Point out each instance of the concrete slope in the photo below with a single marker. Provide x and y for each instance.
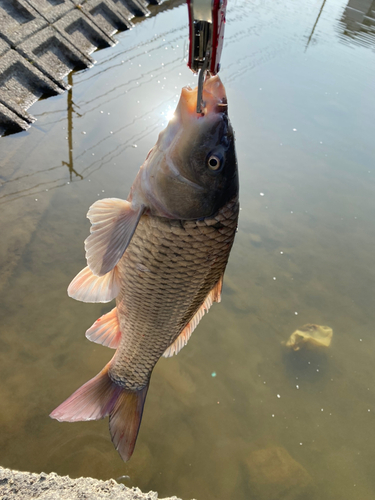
(25, 485)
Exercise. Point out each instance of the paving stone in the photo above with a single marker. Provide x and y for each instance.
(107, 16)
(19, 20)
(4, 47)
(136, 7)
(82, 32)
(21, 84)
(54, 55)
(52, 10)
(10, 123)
(123, 10)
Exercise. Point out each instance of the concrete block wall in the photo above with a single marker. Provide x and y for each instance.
(41, 41)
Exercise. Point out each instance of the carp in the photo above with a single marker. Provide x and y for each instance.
(161, 254)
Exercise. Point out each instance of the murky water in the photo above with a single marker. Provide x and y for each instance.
(300, 84)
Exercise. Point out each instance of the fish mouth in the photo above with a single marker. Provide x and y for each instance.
(214, 99)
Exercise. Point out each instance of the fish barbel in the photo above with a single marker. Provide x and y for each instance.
(162, 254)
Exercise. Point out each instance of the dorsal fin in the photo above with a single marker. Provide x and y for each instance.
(113, 224)
(106, 330)
(183, 338)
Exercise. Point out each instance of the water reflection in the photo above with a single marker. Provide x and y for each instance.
(315, 24)
(34, 180)
(357, 24)
(71, 109)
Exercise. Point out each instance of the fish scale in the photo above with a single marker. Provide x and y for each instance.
(180, 275)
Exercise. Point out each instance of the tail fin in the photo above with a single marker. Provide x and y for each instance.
(101, 397)
(125, 420)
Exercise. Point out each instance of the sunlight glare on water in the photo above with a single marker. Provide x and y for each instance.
(236, 414)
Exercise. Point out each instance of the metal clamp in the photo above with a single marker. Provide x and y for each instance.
(206, 35)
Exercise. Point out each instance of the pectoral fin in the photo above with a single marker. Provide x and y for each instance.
(183, 338)
(90, 288)
(113, 224)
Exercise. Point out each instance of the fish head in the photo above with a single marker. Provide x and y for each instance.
(192, 170)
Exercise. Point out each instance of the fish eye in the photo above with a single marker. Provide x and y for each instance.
(214, 162)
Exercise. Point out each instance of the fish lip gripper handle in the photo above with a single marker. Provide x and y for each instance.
(206, 34)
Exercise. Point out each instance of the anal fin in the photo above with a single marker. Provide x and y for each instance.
(106, 330)
(183, 338)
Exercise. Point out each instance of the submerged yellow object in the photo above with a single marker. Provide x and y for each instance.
(310, 336)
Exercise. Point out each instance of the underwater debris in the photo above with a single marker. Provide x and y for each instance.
(309, 337)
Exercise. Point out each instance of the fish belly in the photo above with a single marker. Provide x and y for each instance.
(167, 271)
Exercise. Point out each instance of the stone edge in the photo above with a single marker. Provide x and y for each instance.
(16, 485)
